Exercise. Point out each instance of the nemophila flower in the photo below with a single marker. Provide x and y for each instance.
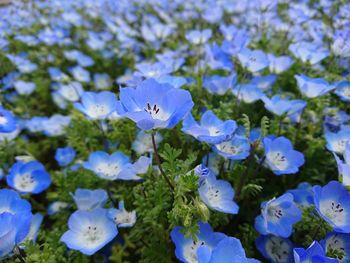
(153, 105)
(116, 166)
(23, 87)
(264, 83)
(70, 91)
(35, 224)
(80, 74)
(278, 216)
(197, 37)
(344, 167)
(235, 42)
(332, 202)
(280, 156)
(303, 194)
(121, 217)
(30, 177)
(97, 105)
(143, 142)
(211, 129)
(187, 248)
(87, 199)
(218, 195)
(279, 64)
(56, 74)
(296, 110)
(228, 250)
(314, 253)
(102, 81)
(8, 121)
(341, 43)
(335, 120)
(276, 249)
(148, 70)
(343, 90)
(277, 105)
(237, 148)
(89, 231)
(313, 87)
(216, 58)
(337, 244)
(219, 85)
(176, 82)
(15, 217)
(253, 60)
(65, 156)
(203, 172)
(247, 92)
(56, 207)
(55, 125)
(336, 142)
(309, 52)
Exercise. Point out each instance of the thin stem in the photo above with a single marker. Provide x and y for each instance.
(20, 255)
(159, 162)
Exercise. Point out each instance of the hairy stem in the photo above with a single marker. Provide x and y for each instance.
(156, 155)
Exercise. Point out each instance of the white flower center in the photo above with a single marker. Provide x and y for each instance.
(3, 120)
(346, 91)
(92, 234)
(213, 131)
(278, 160)
(108, 169)
(190, 251)
(334, 211)
(98, 110)
(25, 182)
(334, 243)
(228, 148)
(278, 249)
(156, 112)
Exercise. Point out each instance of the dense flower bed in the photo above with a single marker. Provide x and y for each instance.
(175, 131)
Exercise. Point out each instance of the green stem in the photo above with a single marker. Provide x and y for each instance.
(156, 155)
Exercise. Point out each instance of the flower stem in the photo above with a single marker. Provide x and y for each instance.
(159, 162)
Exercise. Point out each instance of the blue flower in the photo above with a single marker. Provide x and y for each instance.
(314, 253)
(275, 249)
(89, 231)
(102, 81)
(332, 202)
(197, 37)
(65, 156)
(336, 142)
(344, 167)
(153, 105)
(156, 70)
(218, 84)
(121, 217)
(280, 156)
(278, 216)
(228, 250)
(312, 87)
(56, 207)
(15, 219)
(116, 166)
(187, 248)
(264, 83)
(277, 105)
(237, 148)
(218, 195)
(339, 243)
(23, 87)
(279, 64)
(211, 129)
(247, 92)
(309, 52)
(7, 121)
(80, 74)
(343, 90)
(303, 194)
(30, 177)
(97, 105)
(36, 222)
(253, 60)
(87, 199)
(143, 142)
